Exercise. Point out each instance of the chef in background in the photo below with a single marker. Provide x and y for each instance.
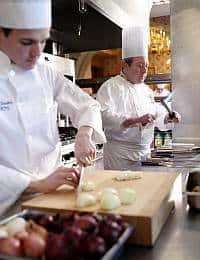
(128, 106)
(30, 97)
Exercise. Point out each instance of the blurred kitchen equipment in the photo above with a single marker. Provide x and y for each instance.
(193, 197)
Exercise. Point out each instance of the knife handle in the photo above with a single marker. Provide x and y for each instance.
(172, 114)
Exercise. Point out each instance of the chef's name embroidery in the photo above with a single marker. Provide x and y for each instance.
(5, 106)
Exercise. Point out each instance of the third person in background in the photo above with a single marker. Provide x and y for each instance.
(128, 106)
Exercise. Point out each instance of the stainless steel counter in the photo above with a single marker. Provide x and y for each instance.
(180, 237)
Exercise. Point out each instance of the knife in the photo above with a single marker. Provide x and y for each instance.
(171, 113)
(82, 171)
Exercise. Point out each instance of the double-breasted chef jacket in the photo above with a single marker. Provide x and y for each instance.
(120, 99)
(29, 140)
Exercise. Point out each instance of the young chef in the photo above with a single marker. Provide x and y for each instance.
(30, 97)
(128, 106)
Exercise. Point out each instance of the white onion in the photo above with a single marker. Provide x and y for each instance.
(127, 196)
(107, 190)
(16, 225)
(85, 199)
(110, 201)
(128, 175)
(3, 232)
(88, 186)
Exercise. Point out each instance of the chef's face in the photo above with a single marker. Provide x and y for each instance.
(24, 46)
(136, 72)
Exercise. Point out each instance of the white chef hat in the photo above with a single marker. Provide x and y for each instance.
(135, 42)
(25, 14)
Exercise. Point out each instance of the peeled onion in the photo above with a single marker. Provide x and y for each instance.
(88, 186)
(110, 201)
(3, 232)
(127, 196)
(107, 190)
(128, 175)
(85, 199)
(16, 225)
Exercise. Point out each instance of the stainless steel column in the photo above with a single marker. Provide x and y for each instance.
(185, 34)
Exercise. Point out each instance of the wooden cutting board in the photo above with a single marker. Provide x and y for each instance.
(148, 213)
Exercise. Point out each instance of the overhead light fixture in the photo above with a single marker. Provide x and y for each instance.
(82, 10)
(160, 2)
(81, 6)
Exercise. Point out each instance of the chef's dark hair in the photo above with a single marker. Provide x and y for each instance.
(129, 61)
(6, 31)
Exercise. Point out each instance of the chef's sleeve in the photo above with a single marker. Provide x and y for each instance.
(12, 185)
(108, 97)
(82, 109)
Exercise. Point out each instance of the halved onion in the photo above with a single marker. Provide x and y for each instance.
(110, 201)
(84, 200)
(107, 190)
(127, 196)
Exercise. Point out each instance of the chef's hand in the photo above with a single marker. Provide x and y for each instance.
(134, 121)
(175, 119)
(146, 119)
(59, 177)
(85, 150)
(130, 122)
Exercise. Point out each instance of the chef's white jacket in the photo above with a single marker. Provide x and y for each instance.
(29, 140)
(120, 99)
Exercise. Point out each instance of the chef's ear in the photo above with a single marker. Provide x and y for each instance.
(125, 66)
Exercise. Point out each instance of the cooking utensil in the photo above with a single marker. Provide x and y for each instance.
(164, 101)
(82, 171)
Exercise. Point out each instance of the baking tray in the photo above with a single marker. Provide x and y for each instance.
(193, 198)
(113, 252)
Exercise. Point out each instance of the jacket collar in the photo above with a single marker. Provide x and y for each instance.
(5, 64)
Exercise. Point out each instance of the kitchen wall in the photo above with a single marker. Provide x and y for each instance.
(185, 35)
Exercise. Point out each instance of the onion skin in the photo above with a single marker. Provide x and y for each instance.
(33, 245)
(10, 246)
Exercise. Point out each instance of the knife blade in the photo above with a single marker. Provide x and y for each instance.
(82, 171)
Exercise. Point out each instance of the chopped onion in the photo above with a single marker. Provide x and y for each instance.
(85, 199)
(88, 186)
(107, 190)
(16, 225)
(110, 201)
(128, 175)
(127, 196)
